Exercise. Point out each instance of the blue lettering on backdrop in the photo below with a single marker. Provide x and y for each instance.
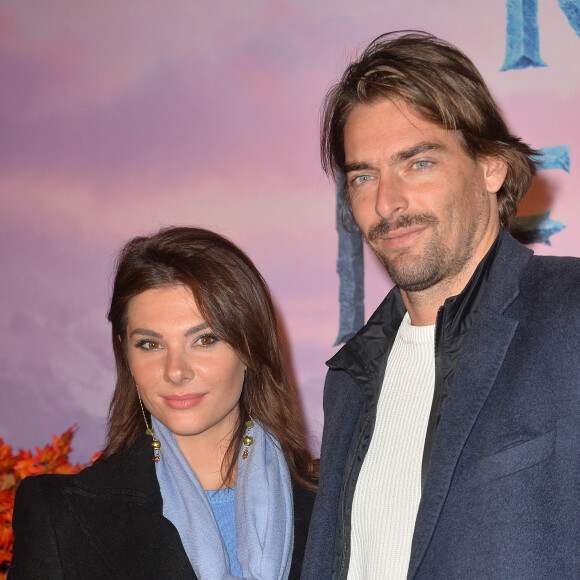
(522, 51)
(557, 157)
(523, 38)
(350, 268)
(536, 229)
(571, 8)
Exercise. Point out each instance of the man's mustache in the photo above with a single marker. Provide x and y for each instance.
(385, 226)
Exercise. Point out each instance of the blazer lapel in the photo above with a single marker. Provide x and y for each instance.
(118, 506)
(474, 378)
(477, 370)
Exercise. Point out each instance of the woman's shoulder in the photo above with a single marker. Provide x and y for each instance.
(49, 488)
(45, 485)
(38, 499)
(130, 469)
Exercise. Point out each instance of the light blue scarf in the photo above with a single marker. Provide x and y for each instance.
(264, 510)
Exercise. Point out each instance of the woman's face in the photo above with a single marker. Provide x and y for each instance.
(189, 379)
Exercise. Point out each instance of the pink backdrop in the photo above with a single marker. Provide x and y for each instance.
(120, 117)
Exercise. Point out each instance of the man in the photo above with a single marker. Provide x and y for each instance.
(451, 444)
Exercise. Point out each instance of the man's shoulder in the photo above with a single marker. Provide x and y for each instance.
(535, 279)
(554, 275)
(514, 250)
(569, 266)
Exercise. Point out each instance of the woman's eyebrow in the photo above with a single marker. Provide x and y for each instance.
(155, 334)
(197, 328)
(146, 332)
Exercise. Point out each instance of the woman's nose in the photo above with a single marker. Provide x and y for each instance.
(177, 368)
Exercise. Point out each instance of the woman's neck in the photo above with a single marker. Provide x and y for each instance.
(206, 455)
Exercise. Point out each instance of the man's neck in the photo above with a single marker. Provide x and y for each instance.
(424, 305)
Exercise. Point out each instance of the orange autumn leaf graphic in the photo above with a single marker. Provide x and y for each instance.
(53, 458)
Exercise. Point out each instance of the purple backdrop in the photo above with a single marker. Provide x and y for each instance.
(117, 118)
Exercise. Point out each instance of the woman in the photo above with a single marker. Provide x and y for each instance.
(205, 473)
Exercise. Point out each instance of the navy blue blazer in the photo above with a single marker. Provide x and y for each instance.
(501, 498)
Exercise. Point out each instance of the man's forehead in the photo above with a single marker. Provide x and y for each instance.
(391, 111)
(396, 126)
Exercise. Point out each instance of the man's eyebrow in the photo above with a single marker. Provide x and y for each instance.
(155, 334)
(348, 167)
(415, 150)
(396, 157)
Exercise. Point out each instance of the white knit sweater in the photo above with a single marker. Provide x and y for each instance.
(388, 489)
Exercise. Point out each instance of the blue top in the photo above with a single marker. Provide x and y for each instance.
(223, 506)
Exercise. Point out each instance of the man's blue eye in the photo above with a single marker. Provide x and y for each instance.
(361, 179)
(421, 164)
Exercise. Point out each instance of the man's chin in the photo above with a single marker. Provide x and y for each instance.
(410, 273)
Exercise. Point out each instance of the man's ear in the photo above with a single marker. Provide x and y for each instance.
(495, 170)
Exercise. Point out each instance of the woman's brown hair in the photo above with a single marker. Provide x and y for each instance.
(234, 300)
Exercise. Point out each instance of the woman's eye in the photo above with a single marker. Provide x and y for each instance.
(148, 344)
(206, 339)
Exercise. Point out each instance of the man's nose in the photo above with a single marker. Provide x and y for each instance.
(392, 196)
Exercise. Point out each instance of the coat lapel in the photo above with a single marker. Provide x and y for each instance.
(118, 506)
(477, 369)
(474, 379)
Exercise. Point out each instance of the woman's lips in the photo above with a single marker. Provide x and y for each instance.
(183, 401)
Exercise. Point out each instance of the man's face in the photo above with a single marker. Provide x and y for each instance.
(426, 208)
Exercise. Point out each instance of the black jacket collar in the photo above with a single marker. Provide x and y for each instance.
(365, 355)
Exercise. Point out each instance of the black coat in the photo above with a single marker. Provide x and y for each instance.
(107, 522)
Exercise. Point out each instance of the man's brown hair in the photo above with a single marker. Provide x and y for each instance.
(437, 81)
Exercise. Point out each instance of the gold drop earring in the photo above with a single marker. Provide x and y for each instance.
(248, 439)
(156, 444)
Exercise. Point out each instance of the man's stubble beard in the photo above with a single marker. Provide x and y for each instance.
(415, 273)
